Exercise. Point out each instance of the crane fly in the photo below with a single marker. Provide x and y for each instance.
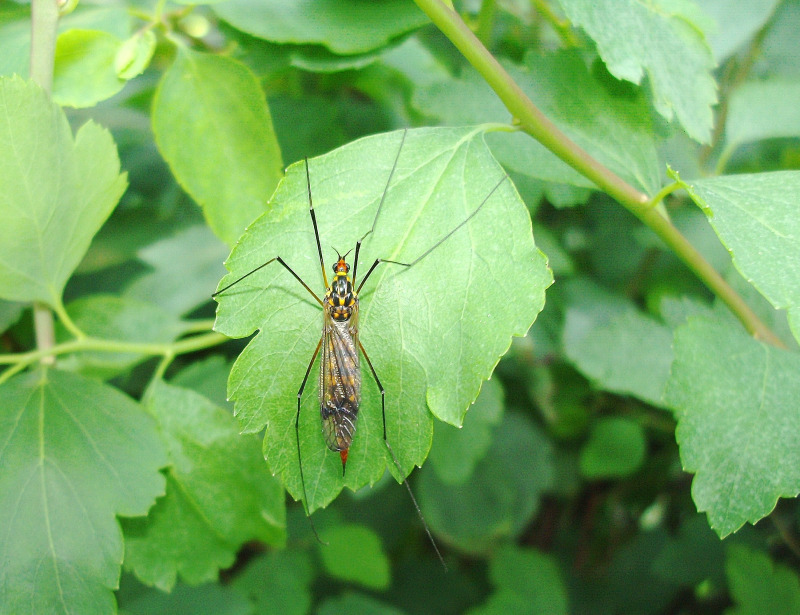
(339, 346)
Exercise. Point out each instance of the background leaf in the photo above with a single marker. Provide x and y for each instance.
(760, 586)
(213, 127)
(218, 491)
(343, 26)
(756, 218)
(84, 71)
(442, 176)
(616, 447)
(75, 453)
(656, 39)
(353, 553)
(57, 191)
(735, 401)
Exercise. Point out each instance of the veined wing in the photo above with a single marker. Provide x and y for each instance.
(339, 381)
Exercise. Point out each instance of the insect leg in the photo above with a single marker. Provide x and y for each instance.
(297, 438)
(394, 457)
(282, 262)
(380, 205)
(314, 222)
(437, 244)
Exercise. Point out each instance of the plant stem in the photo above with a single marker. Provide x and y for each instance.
(536, 124)
(44, 26)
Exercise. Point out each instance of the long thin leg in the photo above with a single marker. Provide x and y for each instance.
(380, 205)
(282, 262)
(394, 457)
(314, 222)
(297, 438)
(434, 246)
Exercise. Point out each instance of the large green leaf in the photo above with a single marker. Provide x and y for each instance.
(75, 453)
(213, 127)
(56, 192)
(635, 38)
(735, 26)
(84, 71)
(219, 494)
(735, 400)
(433, 331)
(756, 218)
(343, 26)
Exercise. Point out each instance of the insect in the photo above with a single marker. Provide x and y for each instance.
(340, 347)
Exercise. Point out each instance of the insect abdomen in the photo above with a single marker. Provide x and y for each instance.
(340, 385)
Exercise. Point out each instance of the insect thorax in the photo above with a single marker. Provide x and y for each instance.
(340, 299)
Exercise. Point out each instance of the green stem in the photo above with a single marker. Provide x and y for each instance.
(44, 30)
(536, 124)
(22, 360)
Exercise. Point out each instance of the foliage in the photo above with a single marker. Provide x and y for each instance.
(609, 411)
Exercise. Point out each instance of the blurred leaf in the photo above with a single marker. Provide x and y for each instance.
(616, 448)
(10, 313)
(354, 553)
(502, 495)
(423, 327)
(57, 192)
(343, 26)
(762, 110)
(278, 583)
(116, 318)
(735, 400)
(84, 69)
(694, 555)
(455, 451)
(736, 23)
(758, 585)
(668, 48)
(186, 268)
(613, 125)
(207, 376)
(213, 127)
(614, 344)
(526, 582)
(183, 600)
(756, 218)
(357, 604)
(219, 494)
(135, 54)
(75, 453)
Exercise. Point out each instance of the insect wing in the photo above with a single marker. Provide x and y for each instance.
(339, 381)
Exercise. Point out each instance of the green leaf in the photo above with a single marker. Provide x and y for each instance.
(734, 28)
(75, 453)
(286, 574)
(613, 125)
(354, 553)
(356, 603)
(57, 192)
(616, 448)
(219, 495)
(762, 110)
(614, 344)
(456, 451)
(135, 599)
(526, 581)
(84, 71)
(735, 400)
(756, 218)
(758, 585)
(636, 38)
(502, 495)
(122, 319)
(343, 26)
(693, 556)
(185, 268)
(433, 331)
(134, 54)
(213, 127)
